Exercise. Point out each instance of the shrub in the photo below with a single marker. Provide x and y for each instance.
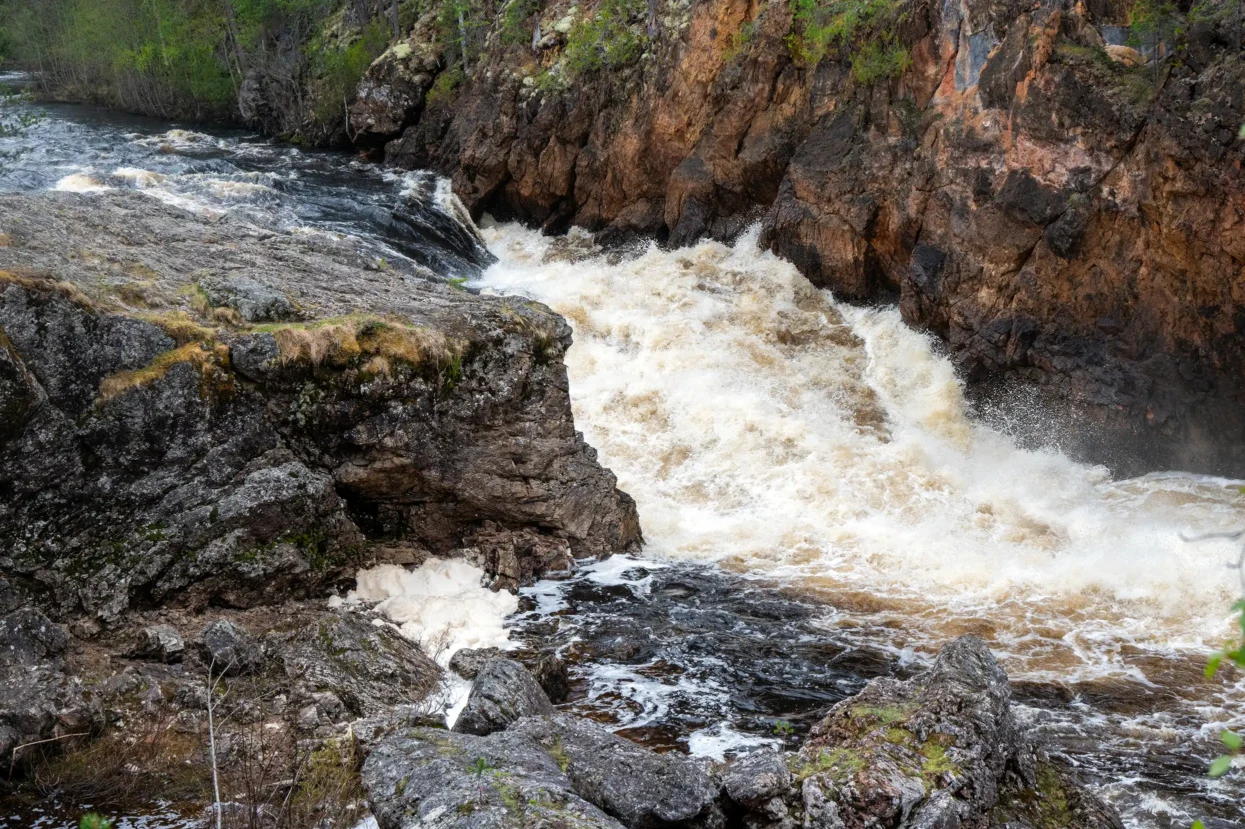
(607, 39)
(876, 62)
(341, 69)
(819, 28)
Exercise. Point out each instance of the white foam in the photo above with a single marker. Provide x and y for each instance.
(720, 740)
(441, 604)
(759, 423)
(80, 183)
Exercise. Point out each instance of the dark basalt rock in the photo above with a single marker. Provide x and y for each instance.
(504, 692)
(38, 700)
(229, 649)
(640, 788)
(160, 642)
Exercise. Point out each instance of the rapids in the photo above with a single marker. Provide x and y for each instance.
(821, 505)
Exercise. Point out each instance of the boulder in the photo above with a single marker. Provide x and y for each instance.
(759, 783)
(943, 749)
(550, 671)
(468, 661)
(252, 299)
(38, 701)
(642, 789)
(160, 642)
(229, 649)
(232, 467)
(370, 669)
(504, 692)
(426, 778)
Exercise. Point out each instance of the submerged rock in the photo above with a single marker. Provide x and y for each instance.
(504, 692)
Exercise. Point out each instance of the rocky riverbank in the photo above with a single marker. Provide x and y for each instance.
(206, 423)
(1060, 207)
(941, 750)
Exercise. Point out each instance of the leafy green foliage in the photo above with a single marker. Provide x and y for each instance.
(610, 38)
(340, 69)
(443, 87)
(515, 29)
(863, 28)
(877, 61)
(94, 821)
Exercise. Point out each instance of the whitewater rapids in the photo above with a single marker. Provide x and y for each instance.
(763, 426)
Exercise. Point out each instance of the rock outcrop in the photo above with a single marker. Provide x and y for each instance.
(942, 750)
(159, 449)
(1067, 220)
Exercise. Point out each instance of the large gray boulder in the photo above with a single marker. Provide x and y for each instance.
(38, 700)
(642, 789)
(433, 779)
(504, 692)
(372, 669)
(939, 751)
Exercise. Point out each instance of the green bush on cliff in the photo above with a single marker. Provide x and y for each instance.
(341, 68)
(861, 28)
(609, 38)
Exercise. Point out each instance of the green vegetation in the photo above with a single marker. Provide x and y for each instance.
(340, 68)
(839, 763)
(610, 38)
(443, 87)
(94, 821)
(862, 30)
(188, 58)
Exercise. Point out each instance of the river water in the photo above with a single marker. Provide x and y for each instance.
(819, 503)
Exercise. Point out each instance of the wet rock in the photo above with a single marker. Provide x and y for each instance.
(551, 673)
(430, 778)
(160, 642)
(468, 661)
(641, 788)
(756, 780)
(504, 691)
(943, 749)
(229, 649)
(367, 669)
(255, 301)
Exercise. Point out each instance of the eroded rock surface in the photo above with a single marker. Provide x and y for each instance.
(161, 445)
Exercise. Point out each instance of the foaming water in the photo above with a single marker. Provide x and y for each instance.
(762, 426)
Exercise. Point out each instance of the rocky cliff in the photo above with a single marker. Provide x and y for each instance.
(1062, 209)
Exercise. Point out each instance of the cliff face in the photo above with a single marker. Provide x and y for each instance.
(1063, 213)
(251, 415)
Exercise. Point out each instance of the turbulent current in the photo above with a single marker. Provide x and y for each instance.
(819, 505)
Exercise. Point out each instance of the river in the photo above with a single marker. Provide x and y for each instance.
(820, 504)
